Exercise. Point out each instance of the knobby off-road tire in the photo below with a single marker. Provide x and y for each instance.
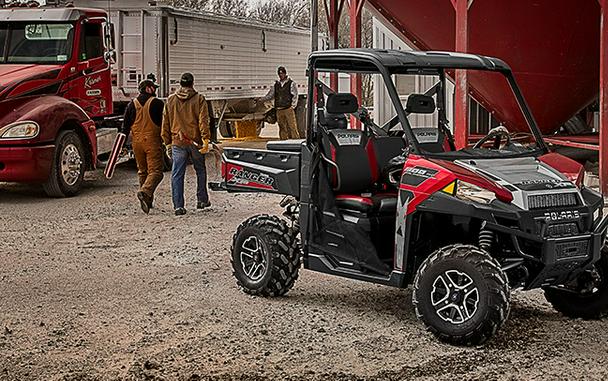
(265, 256)
(587, 296)
(68, 167)
(461, 295)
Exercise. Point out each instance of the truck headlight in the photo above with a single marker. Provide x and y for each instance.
(20, 130)
(469, 192)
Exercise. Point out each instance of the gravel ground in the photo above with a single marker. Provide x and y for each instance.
(93, 289)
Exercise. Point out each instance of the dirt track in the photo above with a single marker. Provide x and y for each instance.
(92, 289)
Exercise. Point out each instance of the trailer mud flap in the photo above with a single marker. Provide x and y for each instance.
(249, 170)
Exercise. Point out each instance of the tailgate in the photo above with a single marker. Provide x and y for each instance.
(250, 170)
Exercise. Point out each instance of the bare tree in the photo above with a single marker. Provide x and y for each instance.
(285, 12)
(238, 8)
(191, 4)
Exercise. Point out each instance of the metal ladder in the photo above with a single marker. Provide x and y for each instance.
(139, 54)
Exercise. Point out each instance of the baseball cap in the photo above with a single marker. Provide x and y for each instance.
(187, 78)
(145, 84)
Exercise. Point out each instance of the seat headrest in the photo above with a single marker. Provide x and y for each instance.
(341, 103)
(420, 104)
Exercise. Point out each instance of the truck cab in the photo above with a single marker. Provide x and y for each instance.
(55, 88)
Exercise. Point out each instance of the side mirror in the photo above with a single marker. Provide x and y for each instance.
(110, 56)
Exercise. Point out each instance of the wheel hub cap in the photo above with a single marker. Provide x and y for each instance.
(71, 164)
(253, 260)
(454, 297)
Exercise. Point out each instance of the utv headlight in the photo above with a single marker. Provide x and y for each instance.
(20, 130)
(470, 192)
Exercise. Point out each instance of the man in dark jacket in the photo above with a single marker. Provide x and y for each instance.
(285, 95)
(143, 117)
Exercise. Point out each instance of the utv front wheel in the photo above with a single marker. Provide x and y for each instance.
(586, 296)
(461, 295)
(265, 256)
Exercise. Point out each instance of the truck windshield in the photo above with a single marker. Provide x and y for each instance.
(36, 43)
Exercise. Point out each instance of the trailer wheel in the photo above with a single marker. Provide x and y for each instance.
(461, 295)
(265, 256)
(585, 297)
(68, 167)
(227, 129)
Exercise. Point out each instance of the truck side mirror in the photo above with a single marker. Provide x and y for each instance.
(110, 56)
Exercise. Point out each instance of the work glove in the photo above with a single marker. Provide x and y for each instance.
(169, 151)
(204, 148)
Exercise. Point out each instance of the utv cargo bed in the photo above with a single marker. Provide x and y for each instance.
(276, 170)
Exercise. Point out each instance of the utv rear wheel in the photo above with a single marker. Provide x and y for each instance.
(67, 169)
(461, 295)
(265, 256)
(585, 297)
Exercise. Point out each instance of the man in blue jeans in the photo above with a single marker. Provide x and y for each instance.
(186, 135)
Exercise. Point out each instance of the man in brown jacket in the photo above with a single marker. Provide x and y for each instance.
(143, 117)
(186, 135)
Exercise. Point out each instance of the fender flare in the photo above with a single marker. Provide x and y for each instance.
(53, 114)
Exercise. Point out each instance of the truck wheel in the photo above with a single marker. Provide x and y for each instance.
(265, 256)
(68, 167)
(585, 297)
(461, 295)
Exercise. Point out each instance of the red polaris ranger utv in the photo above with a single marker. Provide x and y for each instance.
(396, 203)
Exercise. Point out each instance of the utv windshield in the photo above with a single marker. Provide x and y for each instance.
(36, 43)
(425, 99)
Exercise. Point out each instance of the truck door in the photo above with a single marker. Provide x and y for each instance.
(94, 83)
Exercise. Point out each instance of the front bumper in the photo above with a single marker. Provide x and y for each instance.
(26, 164)
(563, 258)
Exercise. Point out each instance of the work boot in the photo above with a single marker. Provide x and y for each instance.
(144, 201)
(203, 205)
(180, 211)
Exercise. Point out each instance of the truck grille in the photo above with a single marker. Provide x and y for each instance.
(552, 200)
(571, 250)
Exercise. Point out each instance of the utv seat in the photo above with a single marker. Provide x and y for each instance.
(352, 162)
(292, 145)
(373, 204)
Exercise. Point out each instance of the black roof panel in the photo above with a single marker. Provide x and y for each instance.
(417, 59)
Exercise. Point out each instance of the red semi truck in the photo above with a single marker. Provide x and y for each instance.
(63, 88)
(55, 90)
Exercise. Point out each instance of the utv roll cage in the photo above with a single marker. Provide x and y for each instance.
(390, 62)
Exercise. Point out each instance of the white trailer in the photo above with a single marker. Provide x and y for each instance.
(233, 60)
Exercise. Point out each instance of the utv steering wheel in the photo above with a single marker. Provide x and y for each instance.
(497, 133)
(363, 115)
